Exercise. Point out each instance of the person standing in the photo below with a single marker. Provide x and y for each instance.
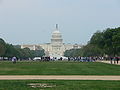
(111, 58)
(14, 59)
(117, 59)
(114, 60)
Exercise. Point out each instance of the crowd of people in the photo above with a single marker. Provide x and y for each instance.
(113, 60)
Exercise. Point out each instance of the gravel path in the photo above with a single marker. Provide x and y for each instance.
(109, 62)
(57, 77)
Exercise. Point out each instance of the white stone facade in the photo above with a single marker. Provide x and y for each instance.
(56, 48)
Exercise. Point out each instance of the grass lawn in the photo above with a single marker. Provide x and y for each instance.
(58, 68)
(58, 85)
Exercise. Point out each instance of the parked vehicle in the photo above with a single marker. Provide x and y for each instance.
(36, 58)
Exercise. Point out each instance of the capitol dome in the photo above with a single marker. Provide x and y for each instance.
(56, 36)
(56, 32)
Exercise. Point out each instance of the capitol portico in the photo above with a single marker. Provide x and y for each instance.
(56, 48)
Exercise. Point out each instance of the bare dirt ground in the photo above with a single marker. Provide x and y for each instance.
(57, 77)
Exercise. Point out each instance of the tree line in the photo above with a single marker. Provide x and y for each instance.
(9, 50)
(105, 43)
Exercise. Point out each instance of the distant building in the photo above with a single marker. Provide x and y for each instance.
(32, 47)
(56, 48)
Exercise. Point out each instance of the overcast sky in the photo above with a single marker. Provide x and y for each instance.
(33, 21)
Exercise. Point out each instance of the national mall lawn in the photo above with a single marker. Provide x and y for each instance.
(58, 85)
(58, 68)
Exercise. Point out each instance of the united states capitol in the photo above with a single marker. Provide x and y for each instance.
(56, 48)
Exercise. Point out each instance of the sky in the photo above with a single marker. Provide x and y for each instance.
(33, 21)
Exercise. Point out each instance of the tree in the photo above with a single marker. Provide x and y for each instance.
(38, 53)
(2, 47)
(108, 41)
(91, 50)
(101, 43)
(10, 51)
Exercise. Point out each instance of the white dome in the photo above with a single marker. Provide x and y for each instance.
(56, 37)
(56, 32)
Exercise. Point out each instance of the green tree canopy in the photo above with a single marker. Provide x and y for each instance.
(101, 43)
(2, 47)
